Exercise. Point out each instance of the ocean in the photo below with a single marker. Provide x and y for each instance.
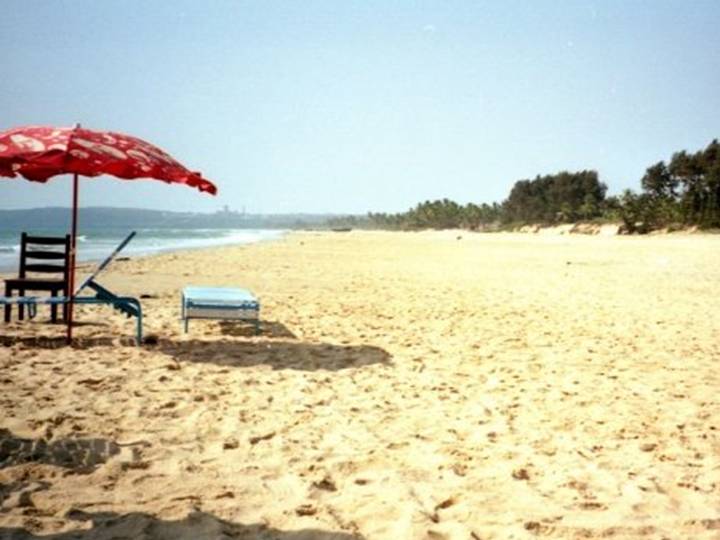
(97, 243)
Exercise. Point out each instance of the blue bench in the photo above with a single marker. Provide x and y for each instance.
(223, 303)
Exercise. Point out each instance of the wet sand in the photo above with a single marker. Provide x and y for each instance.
(404, 385)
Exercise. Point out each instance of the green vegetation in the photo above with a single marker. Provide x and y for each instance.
(561, 198)
(683, 193)
(443, 214)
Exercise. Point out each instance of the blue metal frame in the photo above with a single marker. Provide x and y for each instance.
(118, 302)
(186, 319)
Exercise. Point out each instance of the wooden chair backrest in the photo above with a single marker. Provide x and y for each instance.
(45, 255)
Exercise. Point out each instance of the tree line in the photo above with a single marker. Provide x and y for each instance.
(684, 192)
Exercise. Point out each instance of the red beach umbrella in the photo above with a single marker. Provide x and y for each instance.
(39, 152)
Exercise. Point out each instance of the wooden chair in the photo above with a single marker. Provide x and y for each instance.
(42, 268)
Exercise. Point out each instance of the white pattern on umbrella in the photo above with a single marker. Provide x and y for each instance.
(27, 143)
(100, 148)
(137, 154)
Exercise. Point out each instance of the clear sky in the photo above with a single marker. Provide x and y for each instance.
(338, 106)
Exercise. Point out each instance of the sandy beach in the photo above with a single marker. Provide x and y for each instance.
(437, 385)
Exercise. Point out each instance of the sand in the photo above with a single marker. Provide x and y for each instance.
(405, 385)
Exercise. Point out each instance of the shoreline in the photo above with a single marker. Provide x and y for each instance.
(567, 230)
(5, 271)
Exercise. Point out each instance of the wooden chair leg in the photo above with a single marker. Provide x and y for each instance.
(53, 308)
(21, 308)
(8, 293)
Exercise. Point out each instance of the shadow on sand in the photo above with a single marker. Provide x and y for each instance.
(270, 329)
(277, 354)
(228, 352)
(196, 526)
(56, 342)
(78, 455)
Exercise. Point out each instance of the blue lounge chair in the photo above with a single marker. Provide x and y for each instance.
(220, 303)
(128, 305)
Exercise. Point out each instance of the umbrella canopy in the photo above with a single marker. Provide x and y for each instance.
(39, 152)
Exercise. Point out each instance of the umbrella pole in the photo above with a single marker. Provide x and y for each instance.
(73, 244)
